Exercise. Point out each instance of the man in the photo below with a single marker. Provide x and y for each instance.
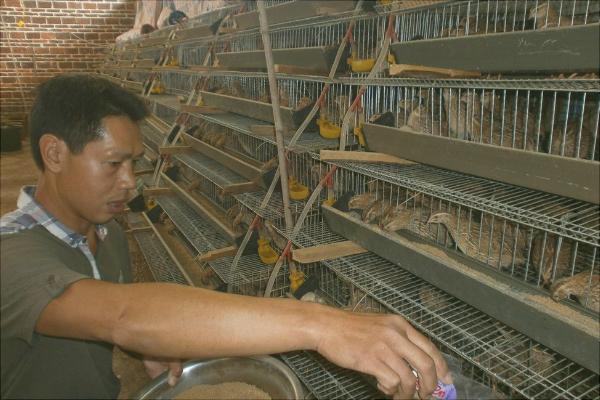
(66, 296)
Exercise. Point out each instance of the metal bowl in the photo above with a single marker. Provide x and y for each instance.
(265, 372)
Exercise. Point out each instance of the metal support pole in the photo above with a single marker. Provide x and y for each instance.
(264, 31)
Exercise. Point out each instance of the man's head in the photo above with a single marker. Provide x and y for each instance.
(84, 137)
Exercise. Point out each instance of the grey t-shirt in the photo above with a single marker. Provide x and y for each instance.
(36, 267)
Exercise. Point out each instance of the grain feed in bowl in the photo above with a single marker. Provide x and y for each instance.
(225, 391)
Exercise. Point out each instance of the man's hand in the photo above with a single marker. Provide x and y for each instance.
(156, 366)
(387, 347)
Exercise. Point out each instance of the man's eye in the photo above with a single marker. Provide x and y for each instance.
(114, 163)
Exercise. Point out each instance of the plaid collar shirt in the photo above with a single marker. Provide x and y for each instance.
(30, 213)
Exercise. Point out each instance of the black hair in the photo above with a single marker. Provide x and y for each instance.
(147, 28)
(72, 107)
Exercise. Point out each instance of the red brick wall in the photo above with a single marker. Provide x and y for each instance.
(41, 38)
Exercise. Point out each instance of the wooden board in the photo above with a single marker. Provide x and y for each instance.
(139, 229)
(323, 252)
(263, 130)
(250, 108)
(408, 69)
(295, 70)
(193, 33)
(508, 300)
(239, 188)
(564, 176)
(149, 63)
(173, 149)
(168, 100)
(294, 10)
(204, 68)
(156, 191)
(218, 253)
(154, 41)
(241, 167)
(317, 59)
(550, 50)
(190, 108)
(362, 156)
(143, 172)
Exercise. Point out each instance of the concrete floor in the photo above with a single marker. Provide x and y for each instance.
(18, 169)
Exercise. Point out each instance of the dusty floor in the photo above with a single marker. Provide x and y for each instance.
(18, 169)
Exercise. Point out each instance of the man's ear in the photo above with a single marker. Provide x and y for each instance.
(54, 152)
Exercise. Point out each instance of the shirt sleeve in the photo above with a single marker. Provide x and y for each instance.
(30, 279)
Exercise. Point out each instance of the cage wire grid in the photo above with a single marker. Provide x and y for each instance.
(308, 142)
(151, 136)
(525, 206)
(326, 380)
(161, 266)
(468, 332)
(210, 169)
(517, 242)
(143, 164)
(205, 186)
(560, 119)
(197, 230)
(464, 18)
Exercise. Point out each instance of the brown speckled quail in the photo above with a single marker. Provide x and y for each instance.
(374, 213)
(583, 288)
(361, 201)
(500, 248)
(397, 218)
(548, 251)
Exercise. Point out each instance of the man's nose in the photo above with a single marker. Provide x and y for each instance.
(127, 177)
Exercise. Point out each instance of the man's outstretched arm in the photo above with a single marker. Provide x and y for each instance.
(168, 320)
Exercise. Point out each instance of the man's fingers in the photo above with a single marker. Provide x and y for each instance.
(426, 345)
(408, 381)
(175, 371)
(154, 367)
(387, 379)
(176, 368)
(385, 390)
(419, 360)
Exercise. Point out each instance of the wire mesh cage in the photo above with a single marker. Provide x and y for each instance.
(178, 82)
(251, 5)
(149, 53)
(238, 144)
(140, 76)
(299, 95)
(151, 136)
(565, 265)
(197, 230)
(559, 119)
(197, 52)
(464, 18)
(202, 175)
(367, 34)
(504, 359)
(165, 113)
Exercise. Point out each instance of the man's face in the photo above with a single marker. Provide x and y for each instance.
(97, 183)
